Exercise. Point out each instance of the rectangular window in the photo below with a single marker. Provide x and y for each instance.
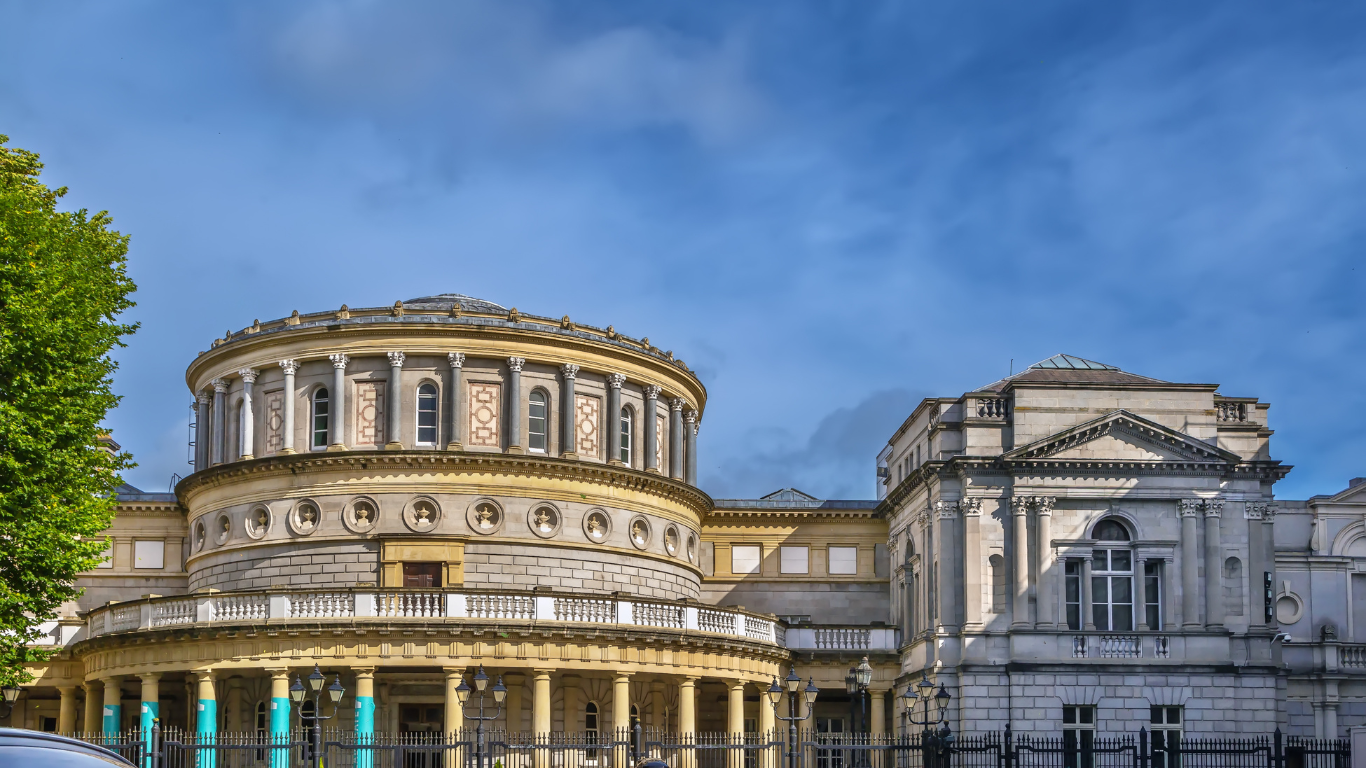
(422, 575)
(744, 559)
(1166, 729)
(426, 414)
(149, 554)
(1152, 595)
(625, 439)
(320, 412)
(843, 561)
(538, 414)
(793, 560)
(1078, 736)
(829, 730)
(1072, 576)
(107, 558)
(1112, 590)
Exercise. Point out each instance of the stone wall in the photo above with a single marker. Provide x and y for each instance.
(298, 564)
(824, 602)
(1214, 700)
(495, 565)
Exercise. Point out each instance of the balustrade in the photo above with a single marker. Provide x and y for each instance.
(1079, 646)
(585, 609)
(322, 605)
(992, 408)
(239, 608)
(1162, 647)
(842, 639)
(410, 605)
(716, 621)
(659, 615)
(174, 612)
(125, 617)
(1231, 412)
(1120, 647)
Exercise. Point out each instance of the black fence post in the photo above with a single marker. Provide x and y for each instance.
(1008, 756)
(1142, 757)
(1277, 752)
(155, 746)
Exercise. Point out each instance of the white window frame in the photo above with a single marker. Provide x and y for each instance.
(545, 421)
(1078, 737)
(435, 411)
(143, 558)
(830, 555)
(1110, 578)
(313, 431)
(735, 551)
(626, 433)
(794, 560)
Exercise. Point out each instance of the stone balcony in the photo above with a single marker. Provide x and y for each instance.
(1095, 648)
(843, 638)
(361, 605)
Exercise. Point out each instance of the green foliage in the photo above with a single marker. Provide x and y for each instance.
(62, 284)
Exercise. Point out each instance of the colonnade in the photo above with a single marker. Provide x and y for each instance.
(211, 428)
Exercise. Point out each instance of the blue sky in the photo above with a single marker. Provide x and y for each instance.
(830, 210)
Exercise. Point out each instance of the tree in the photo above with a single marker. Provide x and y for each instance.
(62, 285)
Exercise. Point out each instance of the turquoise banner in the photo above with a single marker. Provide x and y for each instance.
(365, 730)
(113, 718)
(207, 727)
(150, 711)
(279, 732)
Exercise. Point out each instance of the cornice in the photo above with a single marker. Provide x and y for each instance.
(1124, 422)
(149, 509)
(453, 461)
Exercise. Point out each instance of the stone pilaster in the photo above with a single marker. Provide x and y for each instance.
(220, 432)
(1048, 576)
(1214, 565)
(393, 396)
(676, 437)
(972, 560)
(651, 428)
(1019, 508)
(1190, 564)
(454, 441)
(568, 426)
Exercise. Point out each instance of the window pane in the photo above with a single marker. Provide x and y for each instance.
(149, 554)
(1121, 587)
(1074, 617)
(536, 418)
(320, 419)
(744, 559)
(1098, 561)
(1124, 618)
(1100, 589)
(625, 445)
(843, 561)
(1100, 616)
(1119, 560)
(1073, 589)
(1069, 715)
(793, 559)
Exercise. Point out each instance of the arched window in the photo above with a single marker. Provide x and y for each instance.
(262, 722)
(426, 414)
(538, 417)
(635, 717)
(999, 591)
(590, 732)
(1112, 578)
(625, 436)
(1233, 586)
(319, 423)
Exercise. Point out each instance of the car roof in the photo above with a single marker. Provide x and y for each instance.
(19, 737)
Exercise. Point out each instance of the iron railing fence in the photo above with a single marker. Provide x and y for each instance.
(624, 748)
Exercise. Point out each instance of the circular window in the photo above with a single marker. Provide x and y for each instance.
(258, 522)
(422, 514)
(484, 516)
(199, 537)
(597, 525)
(222, 529)
(1289, 608)
(673, 543)
(305, 518)
(361, 515)
(640, 532)
(692, 547)
(544, 520)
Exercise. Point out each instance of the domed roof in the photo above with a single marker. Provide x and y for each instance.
(448, 300)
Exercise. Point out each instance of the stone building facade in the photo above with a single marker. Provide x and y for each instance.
(402, 494)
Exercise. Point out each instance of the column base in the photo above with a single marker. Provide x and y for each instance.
(652, 470)
(455, 447)
(393, 446)
(333, 448)
(615, 463)
(286, 451)
(569, 455)
(246, 457)
(515, 450)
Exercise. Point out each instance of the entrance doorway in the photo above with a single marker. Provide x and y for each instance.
(421, 724)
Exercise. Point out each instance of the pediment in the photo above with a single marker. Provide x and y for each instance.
(1122, 436)
(1355, 494)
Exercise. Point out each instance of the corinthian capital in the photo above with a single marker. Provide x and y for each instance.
(219, 385)
(1019, 505)
(516, 363)
(290, 367)
(1214, 507)
(947, 509)
(1044, 504)
(1254, 510)
(615, 380)
(396, 359)
(203, 397)
(971, 507)
(677, 404)
(652, 392)
(569, 370)
(248, 375)
(1189, 507)
(690, 417)
(456, 359)
(339, 360)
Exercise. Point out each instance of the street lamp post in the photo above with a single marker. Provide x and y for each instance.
(315, 686)
(11, 695)
(856, 684)
(775, 693)
(462, 692)
(921, 693)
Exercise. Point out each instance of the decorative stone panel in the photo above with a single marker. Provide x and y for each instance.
(275, 421)
(597, 525)
(586, 413)
(661, 437)
(361, 515)
(422, 514)
(485, 403)
(544, 519)
(638, 531)
(369, 413)
(258, 522)
(485, 516)
(305, 517)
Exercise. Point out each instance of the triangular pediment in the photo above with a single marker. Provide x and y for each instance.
(1355, 494)
(1122, 436)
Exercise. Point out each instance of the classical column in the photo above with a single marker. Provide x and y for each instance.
(290, 367)
(687, 719)
(393, 404)
(659, 716)
(248, 436)
(1141, 594)
(365, 713)
(1253, 511)
(1019, 507)
(1088, 614)
(614, 382)
(621, 702)
(735, 721)
(651, 428)
(946, 582)
(690, 433)
(877, 711)
(540, 714)
(1167, 610)
(453, 436)
(1214, 566)
(972, 560)
(766, 730)
(92, 722)
(202, 431)
(336, 407)
(568, 427)
(206, 715)
(1048, 601)
(570, 686)
(1190, 564)
(514, 404)
(279, 715)
(151, 704)
(676, 438)
(220, 434)
(455, 711)
(235, 720)
(1269, 560)
(516, 683)
(66, 712)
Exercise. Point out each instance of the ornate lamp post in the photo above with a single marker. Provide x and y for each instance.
(856, 684)
(11, 695)
(921, 693)
(315, 686)
(462, 692)
(775, 694)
